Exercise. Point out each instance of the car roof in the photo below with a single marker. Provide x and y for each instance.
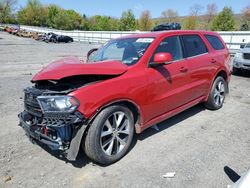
(163, 33)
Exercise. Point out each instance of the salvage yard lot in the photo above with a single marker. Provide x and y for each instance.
(196, 144)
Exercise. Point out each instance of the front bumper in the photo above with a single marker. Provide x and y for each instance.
(241, 64)
(38, 133)
(34, 133)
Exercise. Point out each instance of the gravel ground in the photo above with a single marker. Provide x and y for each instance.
(197, 144)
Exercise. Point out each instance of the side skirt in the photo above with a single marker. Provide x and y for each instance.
(141, 128)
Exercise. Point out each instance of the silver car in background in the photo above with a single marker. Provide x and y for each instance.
(241, 59)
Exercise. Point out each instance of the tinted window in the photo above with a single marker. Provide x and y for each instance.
(194, 45)
(247, 45)
(170, 45)
(215, 42)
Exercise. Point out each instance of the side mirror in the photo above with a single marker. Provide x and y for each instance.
(162, 58)
(242, 46)
(91, 53)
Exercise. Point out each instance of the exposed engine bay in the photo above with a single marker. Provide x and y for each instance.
(68, 84)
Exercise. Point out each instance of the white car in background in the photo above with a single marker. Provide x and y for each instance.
(241, 60)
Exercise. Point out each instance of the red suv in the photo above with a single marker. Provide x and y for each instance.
(132, 83)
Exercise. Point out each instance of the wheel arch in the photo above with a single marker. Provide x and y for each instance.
(224, 75)
(131, 105)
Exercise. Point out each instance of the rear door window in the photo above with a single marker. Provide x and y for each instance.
(193, 45)
(215, 42)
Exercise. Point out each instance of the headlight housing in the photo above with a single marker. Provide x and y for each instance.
(238, 54)
(58, 104)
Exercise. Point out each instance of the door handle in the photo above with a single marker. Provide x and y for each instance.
(213, 61)
(183, 69)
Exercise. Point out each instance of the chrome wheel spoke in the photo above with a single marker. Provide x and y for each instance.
(124, 132)
(215, 94)
(217, 99)
(116, 145)
(121, 142)
(106, 133)
(119, 119)
(222, 89)
(219, 86)
(108, 124)
(221, 98)
(107, 142)
(110, 147)
(125, 123)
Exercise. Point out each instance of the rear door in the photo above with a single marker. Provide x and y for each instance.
(167, 83)
(199, 65)
(219, 52)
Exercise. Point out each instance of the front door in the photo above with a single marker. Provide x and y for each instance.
(167, 83)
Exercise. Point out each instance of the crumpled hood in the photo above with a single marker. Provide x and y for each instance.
(72, 66)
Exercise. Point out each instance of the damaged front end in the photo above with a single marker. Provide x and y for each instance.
(50, 114)
(51, 118)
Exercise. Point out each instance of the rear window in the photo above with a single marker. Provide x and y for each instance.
(215, 42)
(193, 45)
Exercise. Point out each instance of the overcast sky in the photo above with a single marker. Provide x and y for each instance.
(115, 8)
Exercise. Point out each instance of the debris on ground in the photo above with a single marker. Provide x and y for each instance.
(169, 175)
(6, 179)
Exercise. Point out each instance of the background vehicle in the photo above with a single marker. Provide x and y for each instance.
(241, 60)
(52, 37)
(131, 84)
(167, 26)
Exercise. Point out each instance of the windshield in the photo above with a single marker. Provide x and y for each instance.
(247, 45)
(128, 50)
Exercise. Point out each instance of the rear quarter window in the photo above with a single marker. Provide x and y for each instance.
(215, 42)
(193, 45)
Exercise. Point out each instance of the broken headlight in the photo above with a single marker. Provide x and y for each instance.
(63, 104)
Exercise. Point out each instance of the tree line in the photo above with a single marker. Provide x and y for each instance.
(207, 18)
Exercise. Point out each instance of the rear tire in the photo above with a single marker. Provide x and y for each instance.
(110, 135)
(217, 94)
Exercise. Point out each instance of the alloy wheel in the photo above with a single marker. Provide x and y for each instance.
(219, 93)
(115, 133)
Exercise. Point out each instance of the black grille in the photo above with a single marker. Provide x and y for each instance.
(246, 55)
(31, 103)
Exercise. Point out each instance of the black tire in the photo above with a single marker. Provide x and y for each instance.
(94, 145)
(216, 96)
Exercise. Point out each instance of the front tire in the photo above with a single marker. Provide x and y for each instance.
(110, 135)
(217, 94)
